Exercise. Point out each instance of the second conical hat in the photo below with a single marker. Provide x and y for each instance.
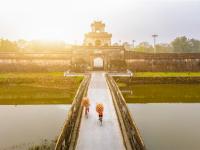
(85, 102)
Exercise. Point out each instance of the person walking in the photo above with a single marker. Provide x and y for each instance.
(86, 104)
(99, 109)
(87, 111)
(101, 117)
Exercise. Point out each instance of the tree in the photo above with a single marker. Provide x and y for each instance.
(144, 47)
(195, 45)
(181, 44)
(185, 45)
(164, 48)
(8, 46)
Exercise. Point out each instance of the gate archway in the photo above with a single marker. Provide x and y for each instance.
(98, 63)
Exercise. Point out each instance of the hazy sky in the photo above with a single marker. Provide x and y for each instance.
(68, 20)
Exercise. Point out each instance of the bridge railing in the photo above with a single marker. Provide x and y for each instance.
(130, 132)
(69, 133)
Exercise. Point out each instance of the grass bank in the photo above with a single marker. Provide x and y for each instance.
(138, 91)
(37, 88)
(167, 74)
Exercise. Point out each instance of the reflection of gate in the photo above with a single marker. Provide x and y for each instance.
(98, 63)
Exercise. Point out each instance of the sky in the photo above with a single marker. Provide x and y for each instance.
(127, 20)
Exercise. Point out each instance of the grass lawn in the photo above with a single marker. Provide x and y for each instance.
(37, 88)
(162, 93)
(167, 74)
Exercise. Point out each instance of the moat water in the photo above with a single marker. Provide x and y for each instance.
(162, 126)
(23, 126)
(168, 126)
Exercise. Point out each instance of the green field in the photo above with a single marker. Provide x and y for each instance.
(167, 74)
(37, 88)
(161, 93)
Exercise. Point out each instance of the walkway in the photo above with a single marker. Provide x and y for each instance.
(92, 136)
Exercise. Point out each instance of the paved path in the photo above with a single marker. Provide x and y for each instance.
(92, 136)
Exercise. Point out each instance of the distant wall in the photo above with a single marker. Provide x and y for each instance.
(60, 61)
(163, 61)
(34, 62)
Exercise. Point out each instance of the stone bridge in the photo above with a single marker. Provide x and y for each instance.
(119, 130)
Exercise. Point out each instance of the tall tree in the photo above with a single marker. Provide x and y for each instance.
(195, 45)
(181, 44)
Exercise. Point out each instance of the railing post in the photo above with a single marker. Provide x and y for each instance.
(131, 135)
(69, 134)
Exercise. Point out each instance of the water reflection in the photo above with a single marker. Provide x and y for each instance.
(24, 125)
(168, 126)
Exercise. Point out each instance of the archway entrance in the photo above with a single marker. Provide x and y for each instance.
(98, 63)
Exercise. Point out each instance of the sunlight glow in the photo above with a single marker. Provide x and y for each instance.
(68, 20)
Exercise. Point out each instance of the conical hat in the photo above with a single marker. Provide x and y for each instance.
(99, 108)
(85, 102)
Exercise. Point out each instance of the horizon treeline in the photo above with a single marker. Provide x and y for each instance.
(178, 45)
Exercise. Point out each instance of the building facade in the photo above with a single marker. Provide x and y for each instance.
(98, 36)
(97, 51)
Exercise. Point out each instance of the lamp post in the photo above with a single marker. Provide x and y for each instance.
(120, 42)
(133, 44)
(154, 41)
